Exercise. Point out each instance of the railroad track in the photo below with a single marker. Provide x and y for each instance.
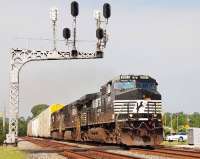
(96, 154)
(169, 152)
(76, 152)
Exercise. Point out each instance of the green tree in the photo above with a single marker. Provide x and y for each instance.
(194, 120)
(37, 109)
(182, 119)
(22, 124)
(167, 131)
(3, 132)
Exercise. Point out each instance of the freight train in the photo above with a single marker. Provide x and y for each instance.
(127, 110)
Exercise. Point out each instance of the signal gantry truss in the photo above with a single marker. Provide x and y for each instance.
(19, 57)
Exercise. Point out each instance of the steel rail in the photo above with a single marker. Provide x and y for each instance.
(76, 152)
(170, 152)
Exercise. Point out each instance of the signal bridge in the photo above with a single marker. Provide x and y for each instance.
(19, 57)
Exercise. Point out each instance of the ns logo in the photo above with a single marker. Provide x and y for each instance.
(140, 104)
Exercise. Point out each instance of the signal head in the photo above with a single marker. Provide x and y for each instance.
(106, 10)
(54, 14)
(74, 8)
(97, 14)
(99, 33)
(66, 33)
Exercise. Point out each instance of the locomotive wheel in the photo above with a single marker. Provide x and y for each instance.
(84, 136)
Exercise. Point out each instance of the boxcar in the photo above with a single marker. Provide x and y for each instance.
(40, 125)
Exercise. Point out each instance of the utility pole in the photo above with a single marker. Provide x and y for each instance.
(188, 120)
(4, 121)
(177, 121)
(1, 114)
(171, 123)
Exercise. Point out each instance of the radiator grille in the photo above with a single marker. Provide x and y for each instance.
(140, 106)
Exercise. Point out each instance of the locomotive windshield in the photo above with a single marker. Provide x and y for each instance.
(146, 85)
(126, 85)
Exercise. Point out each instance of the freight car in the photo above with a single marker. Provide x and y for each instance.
(127, 110)
(40, 125)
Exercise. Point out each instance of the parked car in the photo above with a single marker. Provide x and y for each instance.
(181, 136)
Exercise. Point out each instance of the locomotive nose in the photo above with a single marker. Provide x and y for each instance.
(137, 94)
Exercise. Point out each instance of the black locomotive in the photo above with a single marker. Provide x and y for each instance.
(127, 110)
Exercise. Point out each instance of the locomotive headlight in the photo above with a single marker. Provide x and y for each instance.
(130, 115)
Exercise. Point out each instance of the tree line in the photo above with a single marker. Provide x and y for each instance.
(180, 122)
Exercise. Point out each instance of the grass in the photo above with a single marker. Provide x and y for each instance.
(167, 143)
(11, 153)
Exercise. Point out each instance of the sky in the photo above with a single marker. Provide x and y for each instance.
(159, 38)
